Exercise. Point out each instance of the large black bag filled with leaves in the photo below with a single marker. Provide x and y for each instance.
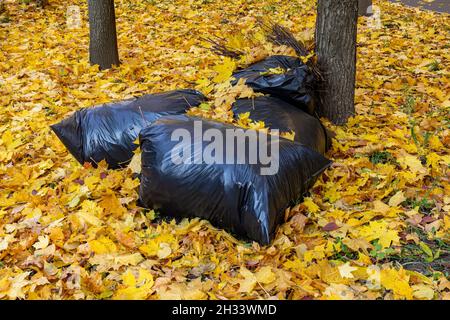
(183, 177)
(278, 114)
(108, 131)
(285, 77)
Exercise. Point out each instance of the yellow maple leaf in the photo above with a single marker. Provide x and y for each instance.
(380, 206)
(265, 275)
(132, 259)
(397, 281)
(135, 289)
(412, 162)
(422, 291)
(248, 284)
(433, 160)
(128, 279)
(309, 203)
(112, 205)
(396, 199)
(10, 141)
(135, 164)
(224, 70)
(346, 270)
(380, 230)
(337, 291)
(91, 182)
(435, 143)
(161, 246)
(164, 250)
(102, 245)
(89, 218)
(17, 285)
(151, 248)
(42, 243)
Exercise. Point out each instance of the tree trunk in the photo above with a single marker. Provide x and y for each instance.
(103, 37)
(336, 30)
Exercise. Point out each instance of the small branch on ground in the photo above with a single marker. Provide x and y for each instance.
(219, 47)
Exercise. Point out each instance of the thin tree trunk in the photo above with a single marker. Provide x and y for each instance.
(103, 37)
(336, 30)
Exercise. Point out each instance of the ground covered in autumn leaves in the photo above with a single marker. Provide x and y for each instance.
(376, 225)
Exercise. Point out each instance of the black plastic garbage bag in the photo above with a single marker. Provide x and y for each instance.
(278, 114)
(108, 131)
(295, 85)
(180, 179)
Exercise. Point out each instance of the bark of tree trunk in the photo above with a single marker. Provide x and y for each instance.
(336, 30)
(103, 37)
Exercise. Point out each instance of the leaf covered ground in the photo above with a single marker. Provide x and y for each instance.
(375, 226)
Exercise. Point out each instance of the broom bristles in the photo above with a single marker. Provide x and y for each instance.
(280, 35)
(219, 47)
(276, 34)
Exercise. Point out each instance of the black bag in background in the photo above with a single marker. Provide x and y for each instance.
(295, 85)
(278, 114)
(108, 131)
(235, 197)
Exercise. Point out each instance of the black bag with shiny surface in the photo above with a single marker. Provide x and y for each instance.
(285, 77)
(278, 114)
(108, 131)
(235, 194)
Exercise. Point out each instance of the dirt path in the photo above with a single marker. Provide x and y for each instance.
(436, 5)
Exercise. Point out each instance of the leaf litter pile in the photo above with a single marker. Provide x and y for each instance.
(374, 226)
